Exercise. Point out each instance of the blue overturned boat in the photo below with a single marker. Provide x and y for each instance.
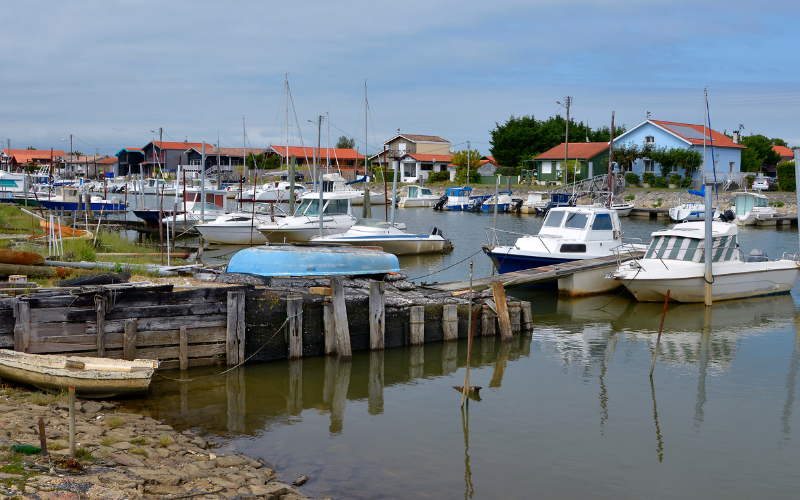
(308, 259)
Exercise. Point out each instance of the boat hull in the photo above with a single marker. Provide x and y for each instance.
(312, 260)
(397, 245)
(49, 372)
(417, 202)
(73, 205)
(231, 234)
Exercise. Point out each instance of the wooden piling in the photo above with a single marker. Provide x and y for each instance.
(340, 319)
(42, 437)
(502, 311)
(129, 340)
(88, 199)
(488, 322)
(294, 313)
(527, 317)
(450, 322)
(417, 325)
(377, 315)
(416, 361)
(514, 313)
(22, 327)
(183, 349)
(100, 309)
(72, 422)
(234, 341)
(329, 326)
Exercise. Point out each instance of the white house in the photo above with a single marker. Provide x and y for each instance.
(422, 164)
(727, 153)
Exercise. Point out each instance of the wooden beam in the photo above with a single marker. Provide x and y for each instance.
(183, 351)
(502, 311)
(450, 322)
(417, 325)
(22, 327)
(514, 314)
(294, 312)
(233, 338)
(129, 340)
(100, 305)
(329, 326)
(340, 319)
(377, 315)
(527, 317)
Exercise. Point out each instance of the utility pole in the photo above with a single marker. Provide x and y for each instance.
(467, 164)
(566, 141)
(317, 163)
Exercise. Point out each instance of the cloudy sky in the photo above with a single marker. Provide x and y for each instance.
(111, 71)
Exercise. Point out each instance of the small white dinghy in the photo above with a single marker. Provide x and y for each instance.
(91, 377)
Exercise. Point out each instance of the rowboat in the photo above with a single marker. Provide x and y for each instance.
(312, 260)
(91, 377)
(63, 232)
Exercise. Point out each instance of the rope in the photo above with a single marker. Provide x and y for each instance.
(446, 268)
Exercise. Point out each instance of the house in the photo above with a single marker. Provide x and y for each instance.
(108, 167)
(229, 158)
(591, 156)
(130, 161)
(402, 144)
(785, 153)
(167, 156)
(658, 133)
(15, 159)
(422, 164)
(85, 165)
(346, 160)
(487, 166)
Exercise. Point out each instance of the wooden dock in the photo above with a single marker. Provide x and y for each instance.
(538, 275)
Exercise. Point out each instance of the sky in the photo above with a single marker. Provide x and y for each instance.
(112, 72)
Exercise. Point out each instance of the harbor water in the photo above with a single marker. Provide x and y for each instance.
(568, 411)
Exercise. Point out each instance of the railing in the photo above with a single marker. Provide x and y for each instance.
(598, 183)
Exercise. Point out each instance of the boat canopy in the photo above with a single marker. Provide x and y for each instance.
(686, 242)
(309, 207)
(459, 191)
(417, 191)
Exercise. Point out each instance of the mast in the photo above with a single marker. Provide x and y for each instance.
(244, 150)
(611, 163)
(287, 121)
(365, 135)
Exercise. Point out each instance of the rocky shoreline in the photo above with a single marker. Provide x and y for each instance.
(119, 456)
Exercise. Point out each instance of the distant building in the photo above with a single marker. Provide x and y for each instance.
(129, 161)
(167, 156)
(423, 164)
(659, 133)
(412, 144)
(487, 167)
(591, 156)
(230, 159)
(84, 165)
(786, 153)
(15, 159)
(346, 160)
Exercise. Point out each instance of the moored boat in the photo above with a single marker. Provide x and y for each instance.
(312, 260)
(392, 239)
(751, 209)
(91, 377)
(418, 196)
(337, 217)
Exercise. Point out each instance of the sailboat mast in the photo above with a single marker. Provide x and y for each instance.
(611, 164)
(287, 122)
(366, 106)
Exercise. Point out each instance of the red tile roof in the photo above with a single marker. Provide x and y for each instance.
(429, 157)
(109, 161)
(231, 151)
(577, 150)
(308, 152)
(783, 151)
(719, 139)
(28, 155)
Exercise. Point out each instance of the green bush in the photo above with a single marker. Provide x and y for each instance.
(439, 177)
(786, 181)
(750, 179)
(674, 179)
(649, 178)
(507, 171)
(686, 182)
(660, 182)
(631, 179)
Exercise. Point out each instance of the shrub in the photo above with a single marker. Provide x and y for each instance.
(776, 204)
(506, 171)
(439, 177)
(786, 180)
(115, 422)
(750, 179)
(139, 441)
(631, 179)
(649, 178)
(630, 197)
(686, 182)
(164, 440)
(674, 179)
(138, 451)
(660, 182)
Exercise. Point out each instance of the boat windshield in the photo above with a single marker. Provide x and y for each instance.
(602, 222)
(426, 191)
(576, 220)
(310, 207)
(413, 191)
(691, 249)
(554, 218)
(761, 202)
(206, 208)
(373, 223)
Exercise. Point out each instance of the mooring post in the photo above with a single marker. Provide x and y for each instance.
(502, 311)
(294, 313)
(89, 212)
(129, 339)
(416, 362)
(375, 388)
(329, 325)
(417, 325)
(449, 358)
(22, 327)
(183, 349)
(488, 322)
(100, 309)
(514, 313)
(42, 437)
(234, 340)
(340, 396)
(450, 322)
(199, 257)
(340, 319)
(527, 317)
(377, 315)
(72, 422)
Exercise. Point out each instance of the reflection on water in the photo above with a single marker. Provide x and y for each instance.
(567, 411)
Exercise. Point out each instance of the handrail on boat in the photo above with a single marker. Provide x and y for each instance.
(494, 241)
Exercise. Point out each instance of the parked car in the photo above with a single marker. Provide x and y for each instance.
(773, 183)
(761, 184)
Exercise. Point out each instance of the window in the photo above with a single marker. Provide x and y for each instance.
(194, 162)
(576, 221)
(674, 169)
(649, 166)
(426, 166)
(547, 167)
(602, 222)
(649, 139)
(401, 146)
(573, 248)
(731, 166)
(351, 163)
(337, 207)
(554, 218)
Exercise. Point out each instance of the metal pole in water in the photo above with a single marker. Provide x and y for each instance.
(797, 177)
(469, 348)
(658, 339)
(394, 190)
(709, 244)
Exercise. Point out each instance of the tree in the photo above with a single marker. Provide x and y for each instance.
(31, 148)
(759, 152)
(626, 154)
(345, 143)
(460, 160)
(260, 162)
(779, 142)
(687, 159)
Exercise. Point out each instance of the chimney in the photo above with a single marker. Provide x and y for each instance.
(736, 137)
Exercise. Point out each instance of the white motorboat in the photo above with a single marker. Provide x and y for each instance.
(567, 234)
(336, 183)
(239, 228)
(418, 197)
(622, 208)
(392, 239)
(12, 184)
(534, 201)
(337, 217)
(751, 209)
(199, 210)
(675, 262)
(271, 192)
(691, 211)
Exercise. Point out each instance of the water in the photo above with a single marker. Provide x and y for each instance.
(567, 411)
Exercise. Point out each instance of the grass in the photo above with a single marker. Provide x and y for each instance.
(109, 440)
(138, 451)
(115, 422)
(46, 398)
(140, 441)
(164, 440)
(630, 197)
(14, 220)
(55, 446)
(657, 203)
(83, 454)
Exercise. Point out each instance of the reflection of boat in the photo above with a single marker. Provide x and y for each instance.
(417, 197)
(752, 208)
(567, 234)
(91, 377)
(675, 261)
(372, 232)
(337, 217)
(312, 260)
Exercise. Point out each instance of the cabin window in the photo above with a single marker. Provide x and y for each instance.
(573, 248)
(576, 220)
(554, 219)
(602, 222)
(426, 191)
(412, 191)
(336, 207)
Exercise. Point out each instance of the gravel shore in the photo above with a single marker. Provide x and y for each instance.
(119, 456)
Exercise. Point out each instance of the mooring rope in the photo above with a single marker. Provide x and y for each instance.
(446, 268)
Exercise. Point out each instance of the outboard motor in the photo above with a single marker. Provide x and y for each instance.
(516, 205)
(440, 203)
(475, 204)
(433, 230)
(729, 215)
(757, 255)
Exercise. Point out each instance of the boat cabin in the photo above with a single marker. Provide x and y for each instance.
(214, 197)
(686, 242)
(581, 224)
(746, 202)
(419, 192)
(309, 207)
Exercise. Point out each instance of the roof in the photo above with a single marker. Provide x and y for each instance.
(229, 151)
(490, 158)
(129, 150)
(419, 138)
(484, 162)
(28, 155)
(694, 134)
(109, 161)
(577, 150)
(183, 146)
(429, 157)
(308, 152)
(84, 158)
(783, 151)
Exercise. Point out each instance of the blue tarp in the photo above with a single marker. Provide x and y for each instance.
(363, 179)
(701, 193)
